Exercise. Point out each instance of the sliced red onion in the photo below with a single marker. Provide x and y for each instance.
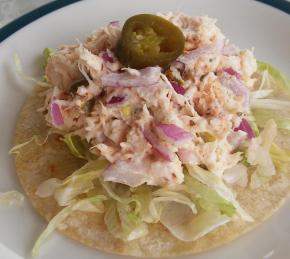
(146, 77)
(159, 150)
(237, 87)
(246, 127)
(107, 57)
(232, 72)
(116, 100)
(192, 55)
(56, 115)
(114, 23)
(174, 132)
(178, 88)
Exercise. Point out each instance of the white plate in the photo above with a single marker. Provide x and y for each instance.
(246, 23)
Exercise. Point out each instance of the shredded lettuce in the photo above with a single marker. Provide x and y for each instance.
(109, 189)
(91, 170)
(123, 222)
(264, 171)
(245, 162)
(215, 183)
(126, 216)
(123, 197)
(280, 157)
(91, 204)
(16, 149)
(268, 134)
(185, 226)
(265, 109)
(280, 154)
(79, 182)
(280, 80)
(19, 70)
(253, 123)
(263, 93)
(263, 115)
(270, 104)
(144, 195)
(132, 226)
(47, 53)
(207, 198)
(258, 155)
(112, 220)
(162, 197)
(76, 146)
(11, 198)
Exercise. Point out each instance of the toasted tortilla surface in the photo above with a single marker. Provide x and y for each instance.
(37, 163)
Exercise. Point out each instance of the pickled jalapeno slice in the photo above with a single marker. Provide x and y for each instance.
(149, 40)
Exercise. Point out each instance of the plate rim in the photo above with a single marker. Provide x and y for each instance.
(17, 24)
(24, 20)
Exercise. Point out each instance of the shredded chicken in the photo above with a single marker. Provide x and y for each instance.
(114, 118)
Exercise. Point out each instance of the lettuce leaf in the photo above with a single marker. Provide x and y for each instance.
(268, 134)
(123, 222)
(144, 195)
(266, 109)
(163, 197)
(253, 123)
(215, 183)
(132, 225)
(79, 182)
(280, 157)
(127, 211)
(76, 146)
(258, 155)
(16, 149)
(109, 188)
(20, 72)
(263, 115)
(270, 104)
(46, 53)
(92, 204)
(280, 154)
(185, 226)
(280, 80)
(207, 198)
(263, 93)
(119, 193)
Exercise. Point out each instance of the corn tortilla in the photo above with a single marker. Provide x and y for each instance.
(37, 163)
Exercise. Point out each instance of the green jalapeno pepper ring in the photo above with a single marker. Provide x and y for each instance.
(149, 40)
